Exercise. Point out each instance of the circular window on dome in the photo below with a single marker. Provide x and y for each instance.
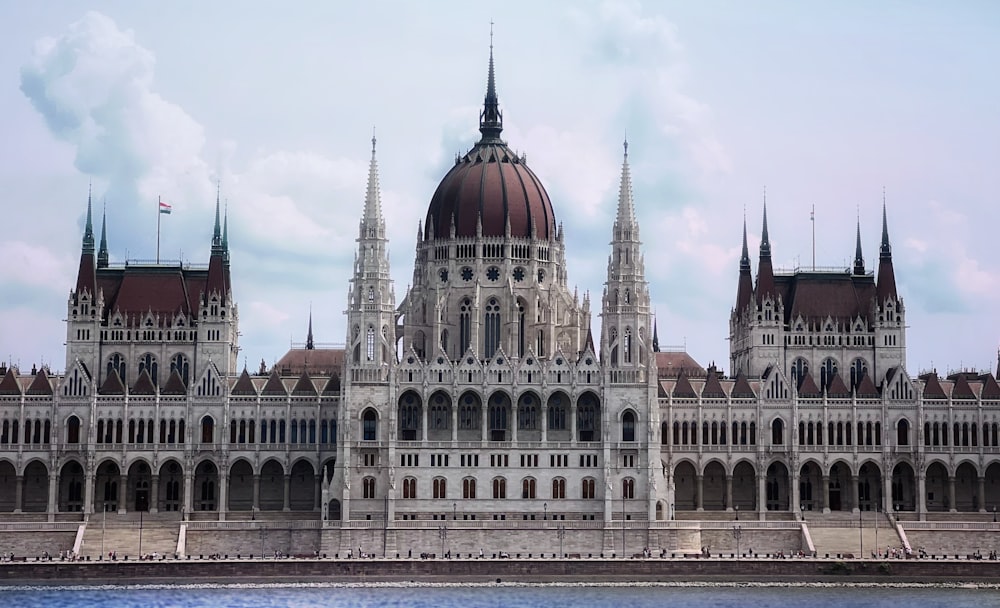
(443, 273)
(519, 274)
(541, 275)
(466, 273)
(493, 273)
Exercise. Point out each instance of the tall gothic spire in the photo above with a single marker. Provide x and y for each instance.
(745, 256)
(765, 242)
(88, 231)
(625, 220)
(102, 253)
(886, 286)
(885, 251)
(859, 260)
(765, 271)
(217, 231)
(373, 198)
(491, 119)
(225, 233)
(656, 338)
(309, 336)
(744, 289)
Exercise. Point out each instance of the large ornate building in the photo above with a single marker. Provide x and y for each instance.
(482, 397)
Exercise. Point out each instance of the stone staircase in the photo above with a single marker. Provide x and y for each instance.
(843, 534)
(122, 535)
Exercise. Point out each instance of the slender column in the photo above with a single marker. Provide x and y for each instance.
(483, 421)
(19, 494)
(855, 499)
(887, 494)
(423, 420)
(318, 478)
(921, 498)
(513, 421)
(981, 495)
(729, 492)
(826, 493)
(795, 497)
(122, 492)
(88, 492)
(286, 504)
(454, 421)
(762, 496)
(256, 493)
(952, 507)
(699, 488)
(54, 493)
(154, 493)
(544, 422)
(188, 492)
(223, 494)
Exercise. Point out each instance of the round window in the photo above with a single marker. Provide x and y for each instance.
(493, 273)
(466, 273)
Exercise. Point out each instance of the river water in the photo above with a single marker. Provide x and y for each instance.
(503, 595)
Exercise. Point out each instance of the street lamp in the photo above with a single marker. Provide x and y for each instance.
(545, 506)
(737, 507)
(737, 534)
(454, 511)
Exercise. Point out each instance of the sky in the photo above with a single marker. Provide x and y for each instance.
(835, 106)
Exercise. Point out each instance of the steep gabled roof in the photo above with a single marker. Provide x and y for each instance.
(683, 388)
(304, 387)
(143, 385)
(274, 385)
(671, 364)
(808, 388)
(991, 390)
(40, 385)
(837, 387)
(244, 385)
(9, 385)
(113, 385)
(713, 388)
(332, 385)
(866, 388)
(932, 386)
(962, 389)
(742, 388)
(174, 385)
(661, 390)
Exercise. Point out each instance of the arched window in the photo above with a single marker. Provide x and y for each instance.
(627, 344)
(491, 328)
(628, 427)
(557, 412)
(558, 488)
(527, 488)
(368, 487)
(440, 487)
(72, 429)
(777, 432)
(148, 363)
(800, 369)
(827, 372)
(116, 363)
(468, 487)
(858, 370)
(588, 417)
(409, 488)
(179, 364)
(370, 344)
(589, 485)
(464, 326)
(369, 424)
(527, 413)
(499, 487)
(628, 488)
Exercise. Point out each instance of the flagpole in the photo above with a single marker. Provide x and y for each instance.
(158, 214)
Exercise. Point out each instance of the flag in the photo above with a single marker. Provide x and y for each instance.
(165, 208)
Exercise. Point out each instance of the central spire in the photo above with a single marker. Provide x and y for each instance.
(88, 231)
(625, 224)
(491, 119)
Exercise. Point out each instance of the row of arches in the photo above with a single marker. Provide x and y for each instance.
(37, 431)
(169, 487)
(148, 362)
(838, 487)
(498, 418)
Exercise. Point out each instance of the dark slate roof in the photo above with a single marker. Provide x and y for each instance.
(40, 385)
(332, 386)
(742, 388)
(143, 385)
(316, 361)
(683, 388)
(9, 385)
(962, 389)
(808, 388)
(671, 364)
(244, 386)
(174, 385)
(113, 385)
(304, 386)
(866, 388)
(991, 390)
(167, 290)
(932, 387)
(817, 295)
(713, 388)
(837, 387)
(274, 385)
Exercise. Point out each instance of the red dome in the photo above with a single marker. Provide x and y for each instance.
(492, 184)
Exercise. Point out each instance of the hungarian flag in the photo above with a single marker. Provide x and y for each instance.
(165, 208)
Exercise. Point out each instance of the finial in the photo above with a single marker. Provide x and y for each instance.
(626, 143)
(373, 141)
(491, 36)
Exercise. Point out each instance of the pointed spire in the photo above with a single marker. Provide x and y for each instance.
(88, 231)
(626, 205)
(886, 286)
(373, 198)
(225, 232)
(491, 119)
(744, 288)
(885, 251)
(859, 260)
(745, 257)
(217, 231)
(656, 338)
(309, 337)
(765, 272)
(102, 253)
(765, 242)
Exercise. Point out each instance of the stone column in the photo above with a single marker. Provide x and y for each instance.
(981, 501)
(256, 493)
(223, 494)
(729, 492)
(699, 487)
(544, 421)
(855, 499)
(122, 492)
(794, 495)
(154, 493)
(54, 493)
(318, 478)
(19, 494)
(188, 501)
(88, 492)
(426, 412)
(825, 493)
(483, 422)
(762, 496)
(286, 506)
(921, 498)
(454, 420)
(951, 494)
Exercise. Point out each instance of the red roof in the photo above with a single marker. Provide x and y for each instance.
(143, 385)
(304, 386)
(40, 385)
(671, 364)
(837, 387)
(244, 386)
(174, 385)
(932, 387)
(991, 390)
(808, 388)
(113, 385)
(493, 186)
(742, 388)
(683, 389)
(317, 361)
(274, 385)
(866, 388)
(961, 389)
(713, 388)
(817, 295)
(9, 385)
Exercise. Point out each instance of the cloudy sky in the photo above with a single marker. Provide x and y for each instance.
(823, 103)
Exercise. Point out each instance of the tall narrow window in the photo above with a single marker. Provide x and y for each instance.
(492, 328)
(464, 326)
(627, 345)
(370, 344)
